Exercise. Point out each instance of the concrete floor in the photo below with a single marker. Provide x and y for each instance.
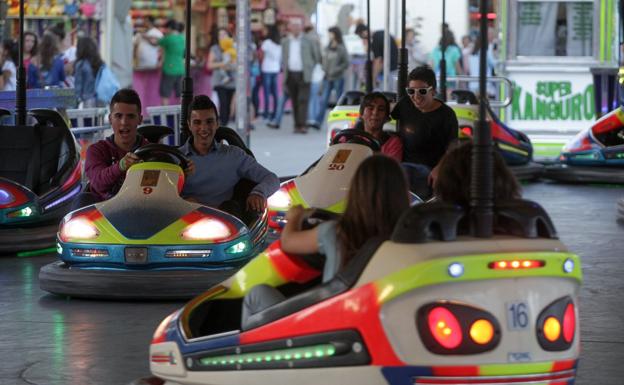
(48, 340)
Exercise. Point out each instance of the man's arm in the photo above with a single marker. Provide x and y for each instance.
(267, 182)
(103, 174)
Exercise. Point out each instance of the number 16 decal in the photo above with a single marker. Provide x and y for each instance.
(517, 315)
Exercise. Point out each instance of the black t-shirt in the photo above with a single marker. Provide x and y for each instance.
(426, 136)
(377, 47)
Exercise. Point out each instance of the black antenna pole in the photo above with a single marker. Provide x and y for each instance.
(443, 48)
(187, 82)
(481, 185)
(20, 97)
(369, 62)
(402, 81)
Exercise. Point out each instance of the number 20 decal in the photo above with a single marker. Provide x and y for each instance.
(335, 166)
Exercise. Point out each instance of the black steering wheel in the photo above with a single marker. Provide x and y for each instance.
(352, 135)
(157, 152)
(318, 216)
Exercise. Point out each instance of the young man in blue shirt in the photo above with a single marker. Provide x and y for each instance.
(219, 167)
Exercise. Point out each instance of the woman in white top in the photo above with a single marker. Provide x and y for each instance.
(270, 67)
(8, 57)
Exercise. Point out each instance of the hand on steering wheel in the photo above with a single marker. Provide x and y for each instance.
(152, 150)
(357, 136)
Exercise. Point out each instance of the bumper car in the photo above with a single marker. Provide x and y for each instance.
(40, 174)
(325, 184)
(147, 242)
(514, 146)
(430, 306)
(594, 155)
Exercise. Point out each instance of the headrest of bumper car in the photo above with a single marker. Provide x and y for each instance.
(428, 221)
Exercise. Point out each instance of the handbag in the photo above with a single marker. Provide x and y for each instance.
(106, 84)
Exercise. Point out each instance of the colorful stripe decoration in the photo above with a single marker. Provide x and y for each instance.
(475, 267)
(543, 373)
(171, 234)
(358, 308)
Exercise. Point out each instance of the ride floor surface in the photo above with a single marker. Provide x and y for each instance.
(49, 340)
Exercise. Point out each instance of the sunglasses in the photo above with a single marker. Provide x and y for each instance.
(421, 91)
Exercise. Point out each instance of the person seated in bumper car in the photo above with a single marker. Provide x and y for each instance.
(219, 167)
(374, 112)
(108, 159)
(453, 182)
(378, 195)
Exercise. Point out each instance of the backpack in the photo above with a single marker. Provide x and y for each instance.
(106, 84)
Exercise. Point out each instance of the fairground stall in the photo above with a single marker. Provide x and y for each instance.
(562, 57)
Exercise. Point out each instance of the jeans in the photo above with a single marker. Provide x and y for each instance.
(313, 102)
(225, 100)
(254, 84)
(280, 109)
(328, 86)
(269, 88)
(418, 178)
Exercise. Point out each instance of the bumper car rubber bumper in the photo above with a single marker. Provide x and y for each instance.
(529, 171)
(59, 279)
(14, 239)
(584, 174)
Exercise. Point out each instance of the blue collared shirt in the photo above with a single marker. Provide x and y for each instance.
(217, 172)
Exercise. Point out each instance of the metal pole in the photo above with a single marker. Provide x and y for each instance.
(20, 97)
(369, 63)
(187, 82)
(481, 185)
(402, 80)
(443, 48)
(386, 51)
(243, 33)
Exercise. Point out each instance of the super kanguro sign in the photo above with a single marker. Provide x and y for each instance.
(553, 100)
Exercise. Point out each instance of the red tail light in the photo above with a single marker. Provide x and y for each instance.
(556, 325)
(445, 328)
(569, 323)
(453, 328)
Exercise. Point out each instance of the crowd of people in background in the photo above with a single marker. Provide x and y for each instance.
(288, 62)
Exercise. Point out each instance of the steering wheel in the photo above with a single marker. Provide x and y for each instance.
(158, 152)
(351, 135)
(316, 217)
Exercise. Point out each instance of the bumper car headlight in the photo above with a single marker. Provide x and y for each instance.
(206, 229)
(6, 197)
(78, 228)
(280, 199)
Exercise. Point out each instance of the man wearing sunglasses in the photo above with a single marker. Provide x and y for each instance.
(428, 126)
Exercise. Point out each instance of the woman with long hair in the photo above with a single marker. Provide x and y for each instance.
(453, 182)
(335, 64)
(377, 197)
(31, 60)
(51, 67)
(8, 60)
(88, 63)
(270, 67)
